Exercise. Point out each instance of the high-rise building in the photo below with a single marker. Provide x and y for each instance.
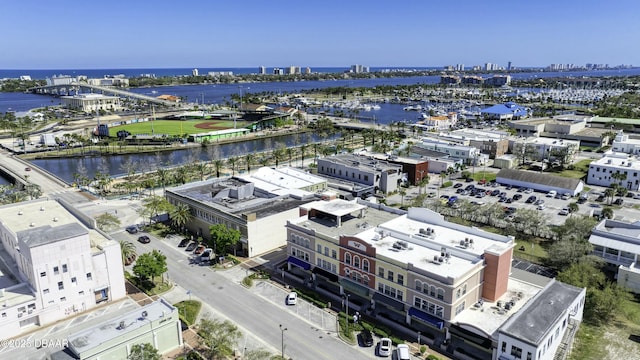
(194, 72)
(460, 67)
(359, 69)
(307, 70)
(262, 70)
(509, 66)
(277, 71)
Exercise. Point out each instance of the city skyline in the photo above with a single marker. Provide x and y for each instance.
(200, 34)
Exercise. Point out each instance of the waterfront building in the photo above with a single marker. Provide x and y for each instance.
(450, 79)
(377, 175)
(257, 205)
(157, 323)
(438, 122)
(416, 169)
(498, 80)
(58, 80)
(472, 80)
(116, 81)
(277, 71)
(262, 70)
(617, 243)
(546, 149)
(627, 166)
(55, 264)
(359, 69)
(90, 103)
(568, 127)
(506, 111)
(307, 70)
(494, 143)
(414, 267)
(194, 72)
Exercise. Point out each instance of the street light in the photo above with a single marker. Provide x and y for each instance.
(282, 330)
(419, 338)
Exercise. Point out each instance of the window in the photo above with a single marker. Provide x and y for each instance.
(43, 274)
(365, 265)
(440, 294)
(400, 279)
(63, 299)
(89, 276)
(516, 351)
(319, 248)
(504, 346)
(528, 355)
(390, 275)
(45, 291)
(418, 285)
(381, 272)
(460, 308)
(4, 315)
(356, 261)
(64, 268)
(347, 258)
(74, 281)
(458, 293)
(334, 254)
(56, 271)
(60, 285)
(464, 289)
(326, 251)
(81, 293)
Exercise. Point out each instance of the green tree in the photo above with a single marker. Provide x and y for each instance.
(107, 221)
(144, 351)
(223, 237)
(573, 208)
(154, 205)
(150, 265)
(607, 212)
(257, 354)
(219, 337)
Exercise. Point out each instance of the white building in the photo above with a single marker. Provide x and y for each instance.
(550, 319)
(467, 154)
(55, 267)
(618, 244)
(623, 144)
(601, 170)
(89, 103)
(548, 149)
(363, 170)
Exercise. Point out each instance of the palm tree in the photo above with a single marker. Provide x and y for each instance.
(201, 169)
(303, 151)
(290, 151)
(232, 162)
(128, 252)
(180, 215)
(217, 164)
(249, 160)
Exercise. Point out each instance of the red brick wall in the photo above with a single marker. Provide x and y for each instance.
(496, 275)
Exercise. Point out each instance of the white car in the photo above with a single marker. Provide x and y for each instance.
(566, 196)
(541, 207)
(552, 193)
(528, 191)
(384, 347)
(402, 352)
(292, 298)
(564, 211)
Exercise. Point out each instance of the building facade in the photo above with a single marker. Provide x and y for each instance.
(91, 103)
(615, 168)
(57, 266)
(383, 175)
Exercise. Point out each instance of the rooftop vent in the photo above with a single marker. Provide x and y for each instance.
(55, 219)
(144, 314)
(122, 326)
(32, 224)
(41, 208)
(20, 212)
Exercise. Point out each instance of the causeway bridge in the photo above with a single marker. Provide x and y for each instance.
(80, 87)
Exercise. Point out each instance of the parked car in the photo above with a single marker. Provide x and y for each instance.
(517, 197)
(366, 337)
(144, 239)
(457, 185)
(564, 211)
(541, 207)
(206, 255)
(600, 198)
(384, 347)
(184, 243)
(618, 201)
(528, 191)
(191, 246)
(566, 196)
(292, 298)
(132, 229)
(552, 193)
(636, 196)
(199, 250)
(495, 192)
(539, 202)
(531, 199)
(402, 352)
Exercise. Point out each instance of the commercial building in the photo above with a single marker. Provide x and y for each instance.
(617, 243)
(567, 127)
(258, 205)
(117, 81)
(546, 149)
(506, 111)
(441, 122)
(622, 143)
(54, 264)
(450, 282)
(380, 175)
(90, 103)
(468, 154)
(157, 324)
(416, 169)
(539, 181)
(498, 80)
(615, 168)
(493, 143)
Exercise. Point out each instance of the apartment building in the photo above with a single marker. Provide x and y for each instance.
(468, 154)
(53, 266)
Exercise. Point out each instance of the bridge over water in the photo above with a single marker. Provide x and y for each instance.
(77, 87)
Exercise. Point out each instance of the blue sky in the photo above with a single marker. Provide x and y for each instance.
(65, 34)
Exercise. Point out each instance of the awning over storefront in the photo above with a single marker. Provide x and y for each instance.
(470, 336)
(324, 273)
(354, 287)
(395, 304)
(298, 262)
(439, 323)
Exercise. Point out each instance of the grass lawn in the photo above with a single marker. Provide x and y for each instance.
(188, 310)
(530, 249)
(176, 127)
(489, 176)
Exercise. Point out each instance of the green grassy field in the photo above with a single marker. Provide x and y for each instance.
(175, 127)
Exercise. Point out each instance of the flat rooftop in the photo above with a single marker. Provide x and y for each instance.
(13, 292)
(217, 194)
(31, 217)
(281, 180)
(361, 162)
(110, 329)
(534, 321)
(488, 317)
